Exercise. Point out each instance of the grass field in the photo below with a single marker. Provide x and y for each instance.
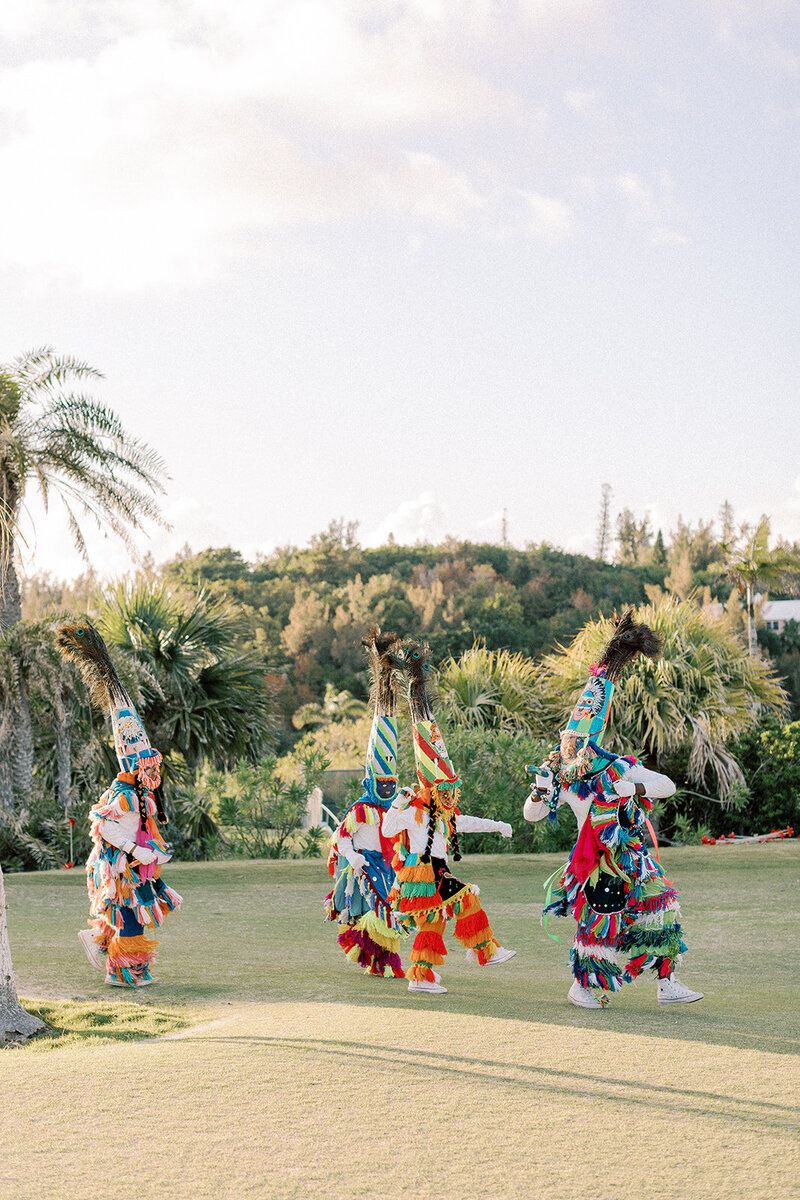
(264, 1065)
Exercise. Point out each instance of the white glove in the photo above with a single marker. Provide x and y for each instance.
(144, 855)
(357, 862)
(624, 787)
(505, 829)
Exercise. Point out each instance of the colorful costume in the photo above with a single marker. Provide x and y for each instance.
(361, 855)
(425, 822)
(627, 912)
(127, 896)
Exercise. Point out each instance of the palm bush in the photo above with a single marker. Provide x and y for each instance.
(492, 689)
(200, 694)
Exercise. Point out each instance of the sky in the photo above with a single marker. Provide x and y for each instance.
(413, 262)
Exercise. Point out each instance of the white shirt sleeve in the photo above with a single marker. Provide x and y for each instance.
(467, 824)
(657, 787)
(120, 831)
(396, 819)
(535, 810)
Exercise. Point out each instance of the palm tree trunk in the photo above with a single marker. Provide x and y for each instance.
(22, 750)
(10, 603)
(751, 624)
(64, 716)
(16, 739)
(16, 1025)
(6, 755)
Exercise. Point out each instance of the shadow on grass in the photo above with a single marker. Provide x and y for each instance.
(764, 1113)
(70, 1022)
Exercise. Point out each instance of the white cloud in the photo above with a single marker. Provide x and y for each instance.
(546, 217)
(149, 142)
(582, 101)
(48, 546)
(419, 520)
(653, 205)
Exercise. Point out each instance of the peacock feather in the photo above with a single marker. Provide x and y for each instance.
(82, 644)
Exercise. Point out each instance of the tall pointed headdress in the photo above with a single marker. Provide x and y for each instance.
(433, 764)
(83, 645)
(590, 715)
(380, 780)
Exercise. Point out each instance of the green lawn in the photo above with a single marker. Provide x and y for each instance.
(263, 1064)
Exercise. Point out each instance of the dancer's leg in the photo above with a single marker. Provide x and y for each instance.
(472, 928)
(428, 951)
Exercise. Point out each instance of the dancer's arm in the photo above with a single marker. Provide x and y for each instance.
(357, 861)
(399, 816)
(650, 784)
(535, 810)
(113, 833)
(537, 806)
(467, 824)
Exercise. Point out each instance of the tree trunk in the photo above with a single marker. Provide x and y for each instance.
(6, 754)
(10, 603)
(16, 1025)
(22, 750)
(62, 729)
(751, 624)
(16, 747)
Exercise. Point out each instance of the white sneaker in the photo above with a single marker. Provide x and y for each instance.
(672, 991)
(93, 952)
(112, 981)
(500, 955)
(424, 985)
(583, 997)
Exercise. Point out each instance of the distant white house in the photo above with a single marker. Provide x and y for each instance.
(776, 613)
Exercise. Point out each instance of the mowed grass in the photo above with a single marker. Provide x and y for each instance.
(266, 1065)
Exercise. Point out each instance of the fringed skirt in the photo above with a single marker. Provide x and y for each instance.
(369, 936)
(612, 948)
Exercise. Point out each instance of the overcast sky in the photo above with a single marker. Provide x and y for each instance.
(414, 261)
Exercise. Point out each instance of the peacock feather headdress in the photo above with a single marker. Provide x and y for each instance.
(381, 762)
(79, 642)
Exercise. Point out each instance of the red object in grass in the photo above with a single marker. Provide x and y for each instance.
(67, 866)
(71, 821)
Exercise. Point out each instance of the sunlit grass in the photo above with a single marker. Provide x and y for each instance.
(265, 1065)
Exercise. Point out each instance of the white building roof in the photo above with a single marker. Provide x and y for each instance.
(781, 610)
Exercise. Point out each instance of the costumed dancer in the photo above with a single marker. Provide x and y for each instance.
(361, 854)
(127, 897)
(627, 912)
(425, 822)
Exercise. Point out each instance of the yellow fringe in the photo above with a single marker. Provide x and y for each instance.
(379, 931)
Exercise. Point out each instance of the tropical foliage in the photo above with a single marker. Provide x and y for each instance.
(749, 562)
(67, 445)
(200, 694)
(492, 689)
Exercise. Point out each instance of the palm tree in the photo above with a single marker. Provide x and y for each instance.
(492, 689)
(32, 672)
(200, 695)
(335, 706)
(15, 1023)
(705, 690)
(751, 562)
(63, 443)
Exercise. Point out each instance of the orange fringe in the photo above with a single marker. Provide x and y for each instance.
(427, 952)
(421, 873)
(131, 947)
(474, 931)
